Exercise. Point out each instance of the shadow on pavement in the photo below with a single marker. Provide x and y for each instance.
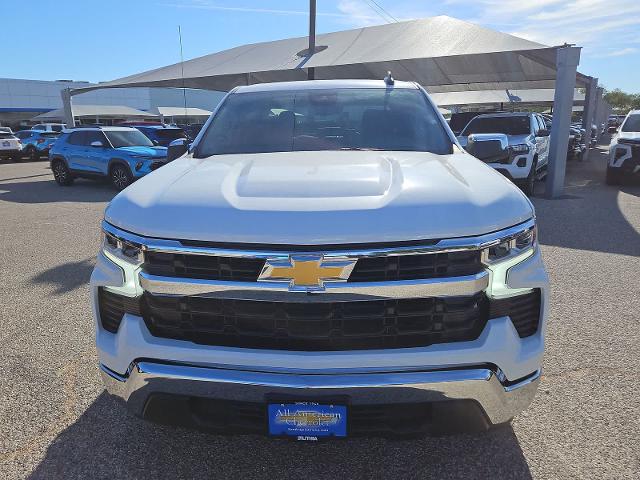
(105, 442)
(81, 191)
(590, 215)
(66, 277)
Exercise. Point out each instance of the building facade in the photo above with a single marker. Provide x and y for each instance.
(21, 100)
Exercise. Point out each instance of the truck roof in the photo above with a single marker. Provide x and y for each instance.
(322, 84)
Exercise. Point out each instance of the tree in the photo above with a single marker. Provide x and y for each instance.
(622, 101)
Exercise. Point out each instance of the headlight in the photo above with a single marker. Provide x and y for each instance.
(620, 151)
(122, 249)
(505, 254)
(511, 246)
(520, 148)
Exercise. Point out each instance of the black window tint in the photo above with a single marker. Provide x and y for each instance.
(515, 125)
(76, 138)
(94, 136)
(331, 119)
(632, 124)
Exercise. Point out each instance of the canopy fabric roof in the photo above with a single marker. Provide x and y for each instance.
(481, 97)
(441, 53)
(181, 111)
(103, 111)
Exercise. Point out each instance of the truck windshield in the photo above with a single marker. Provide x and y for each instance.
(632, 124)
(128, 138)
(516, 125)
(327, 119)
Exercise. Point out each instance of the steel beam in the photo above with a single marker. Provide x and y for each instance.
(588, 114)
(67, 105)
(566, 63)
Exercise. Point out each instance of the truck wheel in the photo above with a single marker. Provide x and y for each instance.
(529, 184)
(613, 177)
(121, 177)
(33, 154)
(61, 173)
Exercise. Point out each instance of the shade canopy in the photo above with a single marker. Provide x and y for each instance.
(487, 97)
(181, 111)
(102, 111)
(441, 53)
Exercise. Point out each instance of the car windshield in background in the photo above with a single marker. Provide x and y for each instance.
(632, 124)
(50, 134)
(6, 134)
(128, 138)
(57, 128)
(170, 133)
(516, 125)
(331, 119)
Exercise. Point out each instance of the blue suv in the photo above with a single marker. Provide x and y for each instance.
(36, 144)
(123, 154)
(161, 134)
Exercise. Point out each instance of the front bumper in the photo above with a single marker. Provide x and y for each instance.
(500, 400)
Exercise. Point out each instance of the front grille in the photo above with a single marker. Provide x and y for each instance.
(310, 326)
(524, 311)
(411, 267)
(367, 269)
(112, 307)
(209, 267)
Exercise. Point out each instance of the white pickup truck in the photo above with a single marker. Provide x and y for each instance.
(324, 261)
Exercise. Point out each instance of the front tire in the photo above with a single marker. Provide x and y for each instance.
(613, 177)
(61, 173)
(32, 154)
(529, 184)
(121, 177)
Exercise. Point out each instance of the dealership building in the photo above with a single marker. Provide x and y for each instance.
(22, 100)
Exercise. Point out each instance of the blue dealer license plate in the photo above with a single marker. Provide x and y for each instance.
(307, 420)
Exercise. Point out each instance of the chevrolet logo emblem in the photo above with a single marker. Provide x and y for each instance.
(307, 272)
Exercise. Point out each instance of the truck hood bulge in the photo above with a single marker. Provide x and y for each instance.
(324, 197)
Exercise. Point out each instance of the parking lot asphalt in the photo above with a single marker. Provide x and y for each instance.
(57, 421)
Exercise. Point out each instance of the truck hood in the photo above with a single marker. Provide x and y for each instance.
(149, 152)
(314, 198)
(628, 136)
(513, 139)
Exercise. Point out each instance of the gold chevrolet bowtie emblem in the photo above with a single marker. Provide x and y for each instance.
(306, 272)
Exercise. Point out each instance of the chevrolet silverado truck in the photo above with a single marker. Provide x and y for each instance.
(325, 260)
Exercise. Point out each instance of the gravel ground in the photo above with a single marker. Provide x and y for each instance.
(57, 422)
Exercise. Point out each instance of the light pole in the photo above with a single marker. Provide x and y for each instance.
(311, 74)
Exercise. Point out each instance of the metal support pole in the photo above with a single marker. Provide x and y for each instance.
(566, 63)
(67, 105)
(589, 105)
(599, 111)
(311, 73)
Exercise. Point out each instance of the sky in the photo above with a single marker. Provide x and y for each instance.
(99, 40)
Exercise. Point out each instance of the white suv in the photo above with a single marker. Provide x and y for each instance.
(10, 146)
(624, 151)
(326, 260)
(527, 138)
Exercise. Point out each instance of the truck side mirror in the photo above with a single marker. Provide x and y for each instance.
(177, 148)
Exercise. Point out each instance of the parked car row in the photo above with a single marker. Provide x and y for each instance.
(521, 140)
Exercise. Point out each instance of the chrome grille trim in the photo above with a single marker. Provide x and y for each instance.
(432, 287)
(442, 246)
